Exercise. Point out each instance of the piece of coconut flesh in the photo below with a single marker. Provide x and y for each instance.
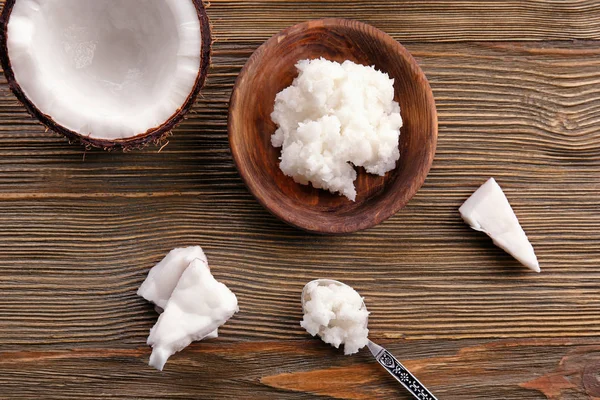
(336, 313)
(109, 69)
(197, 307)
(162, 279)
(489, 211)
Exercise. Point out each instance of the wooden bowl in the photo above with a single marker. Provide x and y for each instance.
(272, 68)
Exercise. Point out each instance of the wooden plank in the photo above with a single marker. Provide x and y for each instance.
(307, 369)
(424, 274)
(406, 20)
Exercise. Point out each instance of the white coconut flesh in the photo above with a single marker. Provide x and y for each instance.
(489, 211)
(109, 69)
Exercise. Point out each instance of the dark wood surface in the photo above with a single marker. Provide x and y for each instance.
(517, 85)
(272, 68)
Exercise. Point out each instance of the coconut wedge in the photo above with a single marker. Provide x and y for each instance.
(162, 279)
(197, 307)
(489, 211)
(110, 73)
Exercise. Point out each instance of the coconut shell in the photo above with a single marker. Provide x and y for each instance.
(153, 136)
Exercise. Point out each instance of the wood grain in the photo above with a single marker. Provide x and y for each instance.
(505, 369)
(431, 21)
(518, 99)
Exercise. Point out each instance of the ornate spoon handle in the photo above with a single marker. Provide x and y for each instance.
(402, 375)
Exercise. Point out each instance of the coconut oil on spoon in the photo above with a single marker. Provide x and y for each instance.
(338, 315)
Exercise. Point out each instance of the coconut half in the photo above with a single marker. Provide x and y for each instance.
(109, 73)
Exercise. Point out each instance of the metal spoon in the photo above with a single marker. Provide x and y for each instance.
(383, 357)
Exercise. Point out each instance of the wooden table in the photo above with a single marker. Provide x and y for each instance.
(517, 85)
